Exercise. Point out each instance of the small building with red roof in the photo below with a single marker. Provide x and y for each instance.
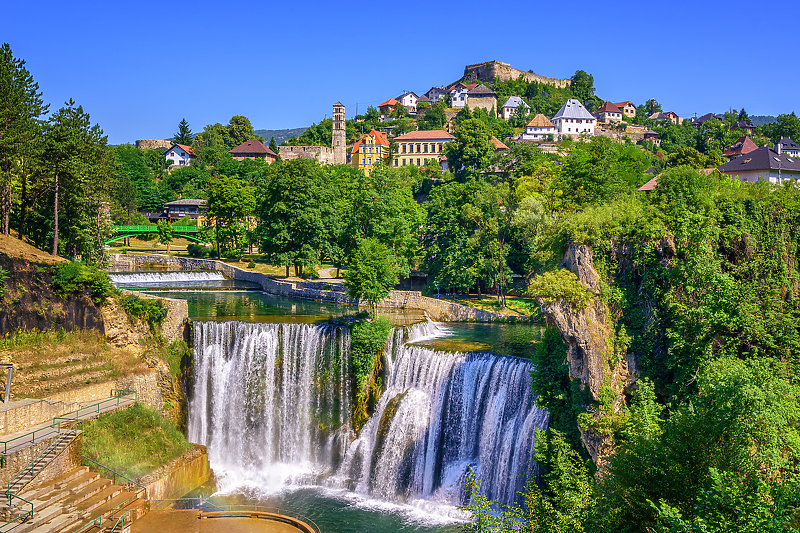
(253, 149)
(369, 151)
(458, 94)
(386, 108)
(743, 145)
(628, 108)
(498, 145)
(608, 112)
(180, 155)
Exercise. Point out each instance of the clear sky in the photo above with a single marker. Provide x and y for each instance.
(140, 67)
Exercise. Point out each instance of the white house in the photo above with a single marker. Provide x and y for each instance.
(180, 155)
(458, 94)
(511, 105)
(610, 113)
(409, 100)
(539, 129)
(573, 119)
(435, 94)
(787, 146)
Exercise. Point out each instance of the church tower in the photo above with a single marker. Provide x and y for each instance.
(339, 140)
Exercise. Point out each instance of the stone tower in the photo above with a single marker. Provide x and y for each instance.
(339, 140)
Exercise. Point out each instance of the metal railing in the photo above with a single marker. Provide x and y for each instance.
(245, 510)
(114, 474)
(21, 518)
(117, 395)
(32, 465)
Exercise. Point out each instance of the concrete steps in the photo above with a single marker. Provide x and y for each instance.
(73, 500)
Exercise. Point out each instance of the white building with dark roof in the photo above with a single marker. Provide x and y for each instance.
(409, 100)
(435, 94)
(573, 119)
(787, 146)
(511, 106)
(764, 164)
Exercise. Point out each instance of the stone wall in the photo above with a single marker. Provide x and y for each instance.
(19, 415)
(147, 386)
(67, 460)
(323, 154)
(319, 291)
(489, 103)
(181, 476)
(152, 144)
(488, 71)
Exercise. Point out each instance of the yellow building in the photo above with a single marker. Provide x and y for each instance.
(417, 147)
(370, 149)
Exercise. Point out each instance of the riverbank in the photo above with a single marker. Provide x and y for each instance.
(438, 310)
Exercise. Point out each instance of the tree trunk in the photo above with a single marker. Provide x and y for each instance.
(55, 217)
(23, 203)
(6, 196)
(169, 247)
(287, 270)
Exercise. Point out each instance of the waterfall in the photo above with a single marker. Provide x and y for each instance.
(165, 277)
(273, 404)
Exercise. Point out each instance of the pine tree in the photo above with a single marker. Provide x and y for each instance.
(21, 106)
(273, 145)
(184, 135)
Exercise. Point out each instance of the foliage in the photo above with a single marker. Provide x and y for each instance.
(472, 148)
(560, 285)
(197, 250)
(134, 441)
(74, 276)
(150, 311)
(371, 273)
(184, 135)
(367, 338)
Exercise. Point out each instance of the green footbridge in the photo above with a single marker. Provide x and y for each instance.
(187, 232)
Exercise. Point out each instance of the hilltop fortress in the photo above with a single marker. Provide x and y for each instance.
(489, 71)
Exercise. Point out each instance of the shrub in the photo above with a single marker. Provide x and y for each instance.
(560, 285)
(75, 277)
(251, 264)
(151, 311)
(197, 250)
(366, 339)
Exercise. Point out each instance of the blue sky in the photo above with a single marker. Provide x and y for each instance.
(139, 68)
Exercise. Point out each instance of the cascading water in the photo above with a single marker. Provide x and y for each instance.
(273, 404)
(165, 277)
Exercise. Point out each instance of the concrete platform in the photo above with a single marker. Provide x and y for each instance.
(190, 522)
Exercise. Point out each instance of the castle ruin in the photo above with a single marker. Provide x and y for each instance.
(489, 71)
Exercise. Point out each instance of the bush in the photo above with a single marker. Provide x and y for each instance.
(366, 339)
(76, 277)
(134, 441)
(197, 250)
(151, 311)
(560, 285)
(251, 264)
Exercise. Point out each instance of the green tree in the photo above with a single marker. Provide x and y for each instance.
(21, 105)
(296, 207)
(435, 118)
(240, 130)
(165, 234)
(230, 203)
(472, 149)
(184, 135)
(371, 273)
(273, 145)
(582, 85)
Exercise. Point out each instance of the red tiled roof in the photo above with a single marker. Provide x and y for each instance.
(187, 149)
(252, 147)
(743, 145)
(608, 107)
(390, 102)
(498, 145)
(623, 104)
(425, 135)
(380, 138)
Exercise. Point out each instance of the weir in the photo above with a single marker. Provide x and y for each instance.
(165, 277)
(273, 403)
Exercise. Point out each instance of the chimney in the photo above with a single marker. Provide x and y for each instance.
(778, 147)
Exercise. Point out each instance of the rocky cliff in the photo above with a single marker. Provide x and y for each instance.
(589, 335)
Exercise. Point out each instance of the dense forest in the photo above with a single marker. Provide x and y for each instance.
(691, 422)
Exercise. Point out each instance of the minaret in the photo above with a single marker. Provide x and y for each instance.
(339, 140)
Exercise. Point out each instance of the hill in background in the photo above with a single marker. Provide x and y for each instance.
(760, 120)
(280, 135)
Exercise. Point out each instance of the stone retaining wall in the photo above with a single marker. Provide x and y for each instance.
(181, 476)
(67, 460)
(22, 414)
(319, 291)
(146, 385)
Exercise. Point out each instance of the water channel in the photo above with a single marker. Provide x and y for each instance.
(272, 401)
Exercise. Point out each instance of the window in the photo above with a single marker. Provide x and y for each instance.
(362, 160)
(363, 150)
(404, 162)
(404, 148)
(425, 148)
(440, 147)
(395, 162)
(418, 148)
(183, 154)
(418, 161)
(369, 160)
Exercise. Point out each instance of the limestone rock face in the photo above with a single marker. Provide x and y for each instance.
(588, 334)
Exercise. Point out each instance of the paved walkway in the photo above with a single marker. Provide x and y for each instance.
(189, 522)
(14, 442)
